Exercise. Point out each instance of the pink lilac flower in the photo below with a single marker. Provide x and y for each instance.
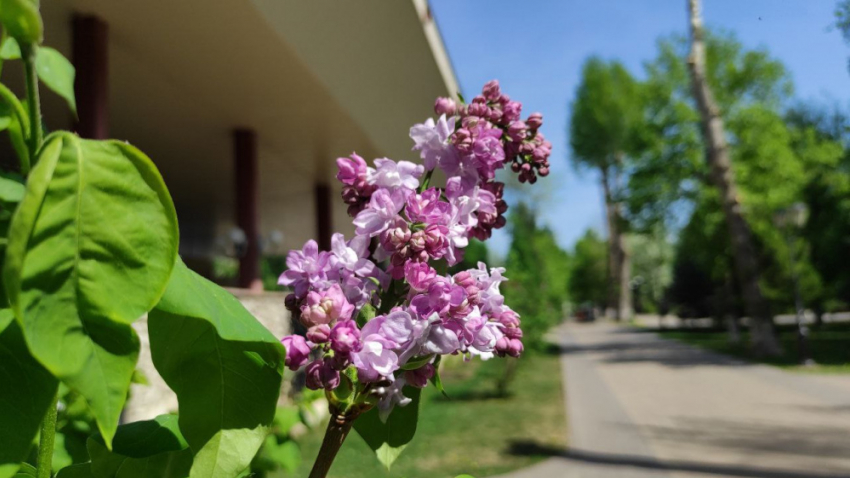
(391, 396)
(305, 268)
(375, 359)
(382, 211)
(297, 351)
(391, 174)
(325, 307)
(419, 275)
(432, 140)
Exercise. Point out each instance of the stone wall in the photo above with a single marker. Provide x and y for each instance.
(155, 398)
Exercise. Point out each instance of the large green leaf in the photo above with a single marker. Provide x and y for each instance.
(21, 19)
(90, 250)
(389, 439)
(225, 367)
(147, 449)
(26, 392)
(57, 73)
(83, 470)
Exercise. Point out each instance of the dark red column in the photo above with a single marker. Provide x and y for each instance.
(323, 216)
(247, 214)
(91, 85)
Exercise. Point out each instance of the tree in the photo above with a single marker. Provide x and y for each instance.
(605, 114)
(539, 271)
(762, 334)
(589, 276)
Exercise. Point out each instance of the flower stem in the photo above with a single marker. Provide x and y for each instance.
(44, 461)
(28, 55)
(337, 430)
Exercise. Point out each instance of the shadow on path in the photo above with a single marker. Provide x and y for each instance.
(527, 448)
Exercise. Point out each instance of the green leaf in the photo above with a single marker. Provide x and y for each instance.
(417, 362)
(435, 379)
(389, 439)
(57, 73)
(366, 313)
(26, 471)
(285, 454)
(11, 191)
(83, 470)
(10, 50)
(22, 20)
(17, 136)
(26, 393)
(147, 449)
(90, 250)
(224, 366)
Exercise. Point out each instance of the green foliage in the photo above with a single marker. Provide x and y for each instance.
(26, 393)
(388, 439)
(605, 114)
(280, 449)
(76, 285)
(588, 278)
(652, 271)
(57, 73)
(142, 449)
(539, 272)
(225, 368)
(20, 18)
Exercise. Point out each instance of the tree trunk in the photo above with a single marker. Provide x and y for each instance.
(762, 334)
(611, 308)
(624, 311)
(619, 262)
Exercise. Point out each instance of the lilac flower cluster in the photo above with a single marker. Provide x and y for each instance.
(375, 305)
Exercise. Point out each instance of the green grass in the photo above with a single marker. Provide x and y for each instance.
(829, 346)
(474, 431)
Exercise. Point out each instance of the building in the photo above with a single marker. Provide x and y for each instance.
(245, 104)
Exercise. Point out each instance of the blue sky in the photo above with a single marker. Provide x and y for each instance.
(536, 49)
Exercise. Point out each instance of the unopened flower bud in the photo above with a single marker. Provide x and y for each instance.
(319, 334)
(534, 121)
(491, 90)
(517, 130)
(543, 171)
(419, 377)
(511, 111)
(297, 351)
(417, 241)
(291, 303)
(322, 375)
(445, 106)
(345, 337)
(464, 279)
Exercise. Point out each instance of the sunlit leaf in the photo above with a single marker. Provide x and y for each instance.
(21, 19)
(389, 439)
(228, 400)
(57, 73)
(90, 250)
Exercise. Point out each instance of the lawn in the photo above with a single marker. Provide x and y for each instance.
(475, 431)
(829, 345)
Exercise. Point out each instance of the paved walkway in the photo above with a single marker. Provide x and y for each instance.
(640, 406)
